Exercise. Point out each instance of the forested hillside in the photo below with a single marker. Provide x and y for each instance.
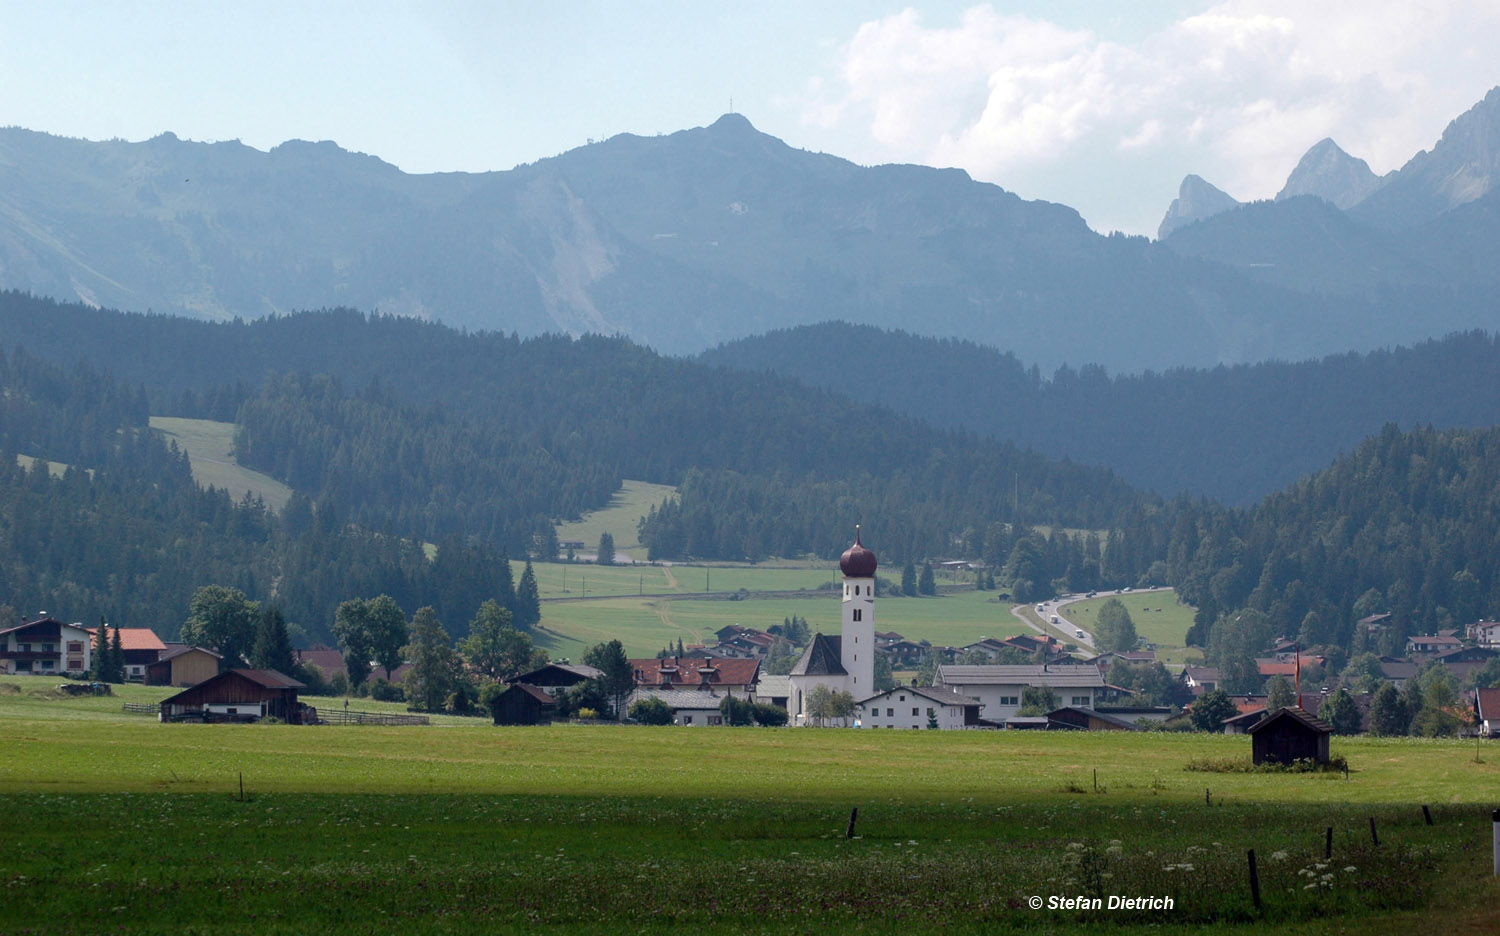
(571, 417)
(1234, 434)
(126, 534)
(1404, 524)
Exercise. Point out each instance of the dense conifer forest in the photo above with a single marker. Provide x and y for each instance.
(394, 432)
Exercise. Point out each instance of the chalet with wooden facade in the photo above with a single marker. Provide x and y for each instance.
(522, 704)
(45, 646)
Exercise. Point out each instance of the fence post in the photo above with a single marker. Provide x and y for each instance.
(1427, 814)
(853, 815)
(1328, 844)
(1495, 821)
(1373, 837)
(1254, 881)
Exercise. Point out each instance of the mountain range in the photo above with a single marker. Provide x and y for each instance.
(688, 240)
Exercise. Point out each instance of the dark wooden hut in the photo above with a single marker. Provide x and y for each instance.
(1290, 735)
(237, 695)
(522, 704)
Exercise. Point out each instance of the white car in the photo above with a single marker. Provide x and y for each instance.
(1080, 634)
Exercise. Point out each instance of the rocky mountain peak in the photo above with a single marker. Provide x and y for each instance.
(1196, 200)
(1329, 173)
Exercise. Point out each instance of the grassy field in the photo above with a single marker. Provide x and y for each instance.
(210, 449)
(1158, 618)
(578, 580)
(646, 625)
(135, 826)
(619, 519)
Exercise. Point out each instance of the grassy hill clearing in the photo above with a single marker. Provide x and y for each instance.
(210, 449)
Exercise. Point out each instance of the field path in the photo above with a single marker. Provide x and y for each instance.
(666, 570)
(663, 610)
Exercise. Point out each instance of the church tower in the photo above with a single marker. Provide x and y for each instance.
(857, 644)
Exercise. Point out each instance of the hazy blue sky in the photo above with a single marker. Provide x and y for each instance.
(1104, 106)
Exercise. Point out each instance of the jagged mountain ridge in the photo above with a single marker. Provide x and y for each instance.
(680, 242)
(1329, 173)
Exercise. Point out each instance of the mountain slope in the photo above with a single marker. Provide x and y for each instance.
(1329, 173)
(680, 242)
(1196, 200)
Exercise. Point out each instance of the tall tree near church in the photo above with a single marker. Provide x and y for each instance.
(528, 601)
(927, 585)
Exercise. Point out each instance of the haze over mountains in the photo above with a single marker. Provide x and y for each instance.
(707, 235)
(1338, 228)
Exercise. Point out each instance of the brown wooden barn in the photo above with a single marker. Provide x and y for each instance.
(523, 705)
(237, 695)
(183, 666)
(1290, 735)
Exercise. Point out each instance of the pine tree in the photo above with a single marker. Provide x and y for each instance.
(528, 601)
(606, 554)
(909, 580)
(99, 669)
(434, 663)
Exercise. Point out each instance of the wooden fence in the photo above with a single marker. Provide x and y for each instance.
(345, 717)
(141, 708)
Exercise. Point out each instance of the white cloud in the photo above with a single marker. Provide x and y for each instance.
(1235, 93)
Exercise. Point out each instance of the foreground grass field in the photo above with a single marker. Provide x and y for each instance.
(128, 825)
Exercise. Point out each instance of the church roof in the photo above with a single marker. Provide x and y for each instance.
(857, 561)
(823, 657)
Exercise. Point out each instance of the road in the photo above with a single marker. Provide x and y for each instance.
(1058, 606)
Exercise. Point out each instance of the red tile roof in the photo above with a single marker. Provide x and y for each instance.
(134, 638)
(723, 672)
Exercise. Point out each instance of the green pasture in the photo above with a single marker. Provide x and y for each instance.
(139, 827)
(645, 625)
(210, 449)
(1158, 618)
(584, 579)
(619, 518)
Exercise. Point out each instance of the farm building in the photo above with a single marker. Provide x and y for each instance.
(237, 694)
(1290, 735)
(915, 707)
(999, 687)
(1082, 718)
(183, 666)
(733, 677)
(555, 676)
(774, 690)
(521, 704)
(1243, 722)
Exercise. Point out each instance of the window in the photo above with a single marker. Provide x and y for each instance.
(716, 719)
(1010, 700)
(48, 664)
(846, 591)
(901, 698)
(1081, 700)
(890, 713)
(857, 615)
(687, 719)
(914, 711)
(75, 646)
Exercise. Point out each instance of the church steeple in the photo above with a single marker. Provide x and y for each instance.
(857, 643)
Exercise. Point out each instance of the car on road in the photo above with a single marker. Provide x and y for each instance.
(1079, 634)
(1054, 619)
(1040, 608)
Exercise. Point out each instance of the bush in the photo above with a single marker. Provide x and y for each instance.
(338, 683)
(587, 713)
(382, 691)
(651, 711)
(311, 676)
(770, 716)
(1245, 765)
(460, 701)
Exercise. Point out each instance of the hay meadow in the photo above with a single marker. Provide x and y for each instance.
(124, 824)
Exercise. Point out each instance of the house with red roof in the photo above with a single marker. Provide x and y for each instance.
(1487, 711)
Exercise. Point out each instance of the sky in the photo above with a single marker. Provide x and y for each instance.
(1103, 106)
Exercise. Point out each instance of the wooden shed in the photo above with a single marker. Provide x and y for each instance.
(1290, 735)
(237, 695)
(522, 704)
(183, 666)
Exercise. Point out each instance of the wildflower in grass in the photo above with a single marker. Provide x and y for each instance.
(1278, 856)
(1351, 869)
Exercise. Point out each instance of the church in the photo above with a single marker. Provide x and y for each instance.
(845, 663)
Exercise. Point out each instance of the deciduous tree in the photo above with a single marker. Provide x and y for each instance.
(222, 619)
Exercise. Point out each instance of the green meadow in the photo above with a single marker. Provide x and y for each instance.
(645, 625)
(1157, 616)
(134, 826)
(619, 518)
(210, 450)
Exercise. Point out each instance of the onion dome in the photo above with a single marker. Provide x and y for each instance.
(857, 561)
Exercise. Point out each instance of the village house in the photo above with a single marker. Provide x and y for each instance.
(693, 707)
(141, 646)
(1440, 642)
(1201, 679)
(736, 677)
(1487, 712)
(1082, 718)
(44, 647)
(773, 690)
(999, 687)
(914, 707)
(1464, 660)
(554, 677)
(1485, 633)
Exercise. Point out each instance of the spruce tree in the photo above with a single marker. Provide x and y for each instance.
(909, 580)
(117, 658)
(273, 646)
(528, 601)
(99, 666)
(927, 584)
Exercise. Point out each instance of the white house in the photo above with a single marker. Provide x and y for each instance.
(689, 706)
(845, 663)
(998, 687)
(1485, 633)
(45, 646)
(914, 707)
(1487, 709)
